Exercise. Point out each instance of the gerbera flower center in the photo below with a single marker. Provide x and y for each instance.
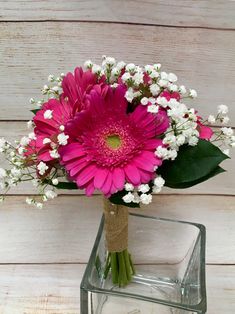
(113, 141)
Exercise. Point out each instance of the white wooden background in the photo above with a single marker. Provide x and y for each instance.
(43, 252)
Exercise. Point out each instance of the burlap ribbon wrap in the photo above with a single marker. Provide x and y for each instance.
(116, 226)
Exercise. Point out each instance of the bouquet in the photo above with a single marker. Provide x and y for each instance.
(123, 130)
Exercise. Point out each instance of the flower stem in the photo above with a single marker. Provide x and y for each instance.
(121, 267)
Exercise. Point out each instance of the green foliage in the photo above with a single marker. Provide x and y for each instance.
(193, 165)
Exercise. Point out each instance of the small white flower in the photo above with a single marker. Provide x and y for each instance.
(163, 83)
(55, 89)
(3, 173)
(45, 89)
(126, 76)
(154, 74)
(129, 187)
(172, 87)
(180, 139)
(29, 201)
(153, 109)
(50, 194)
(223, 109)
(169, 139)
(62, 139)
(225, 120)
(115, 72)
(156, 189)
(182, 90)
(143, 188)
(48, 114)
(21, 150)
(88, 64)
(32, 136)
(164, 76)
(227, 131)
(159, 182)
(193, 141)
(46, 140)
(157, 66)
(128, 198)
(32, 101)
(110, 61)
(129, 95)
(130, 67)
(148, 68)
(24, 141)
(39, 205)
(42, 168)
(162, 101)
(144, 101)
(30, 124)
(54, 154)
(172, 153)
(192, 93)
(226, 152)
(55, 181)
(154, 89)
(62, 128)
(96, 69)
(211, 119)
(16, 172)
(172, 77)
(120, 65)
(138, 78)
(136, 198)
(161, 152)
(146, 198)
(51, 78)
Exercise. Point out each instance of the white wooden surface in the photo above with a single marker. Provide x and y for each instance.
(202, 58)
(43, 252)
(200, 13)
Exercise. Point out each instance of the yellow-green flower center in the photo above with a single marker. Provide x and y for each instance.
(113, 141)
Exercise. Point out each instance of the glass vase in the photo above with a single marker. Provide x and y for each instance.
(169, 259)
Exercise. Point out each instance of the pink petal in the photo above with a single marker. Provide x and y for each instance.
(86, 175)
(107, 184)
(100, 177)
(132, 174)
(118, 178)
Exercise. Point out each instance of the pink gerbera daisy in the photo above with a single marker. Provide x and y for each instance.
(110, 146)
(50, 121)
(77, 87)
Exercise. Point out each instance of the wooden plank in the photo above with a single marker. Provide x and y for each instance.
(203, 59)
(164, 12)
(222, 184)
(37, 289)
(65, 230)
(29, 289)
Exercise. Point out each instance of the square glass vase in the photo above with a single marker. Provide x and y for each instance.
(169, 260)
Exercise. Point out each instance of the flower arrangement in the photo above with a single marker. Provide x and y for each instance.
(123, 130)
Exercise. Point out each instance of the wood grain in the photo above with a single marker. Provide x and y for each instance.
(54, 289)
(222, 184)
(203, 59)
(164, 12)
(65, 230)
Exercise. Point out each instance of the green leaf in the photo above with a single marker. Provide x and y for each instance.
(34, 111)
(194, 164)
(117, 199)
(185, 185)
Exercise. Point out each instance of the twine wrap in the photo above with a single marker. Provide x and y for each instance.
(116, 226)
